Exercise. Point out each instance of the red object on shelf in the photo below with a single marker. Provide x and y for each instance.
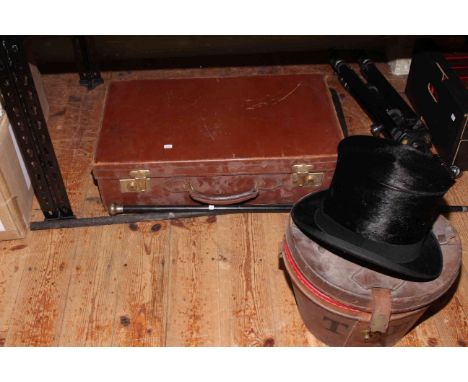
(459, 64)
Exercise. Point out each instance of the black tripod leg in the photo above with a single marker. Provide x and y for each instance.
(85, 57)
(365, 97)
(339, 111)
(388, 92)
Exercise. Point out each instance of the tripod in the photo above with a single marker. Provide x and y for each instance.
(391, 115)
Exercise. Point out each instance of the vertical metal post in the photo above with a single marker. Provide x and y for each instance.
(85, 57)
(24, 111)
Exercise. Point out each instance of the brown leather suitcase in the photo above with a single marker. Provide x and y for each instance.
(344, 304)
(258, 139)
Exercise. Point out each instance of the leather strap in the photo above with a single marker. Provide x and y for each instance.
(381, 310)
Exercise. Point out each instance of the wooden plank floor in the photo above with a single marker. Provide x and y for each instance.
(192, 282)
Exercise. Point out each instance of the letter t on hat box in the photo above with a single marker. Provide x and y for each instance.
(16, 192)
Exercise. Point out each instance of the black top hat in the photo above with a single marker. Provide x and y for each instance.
(380, 208)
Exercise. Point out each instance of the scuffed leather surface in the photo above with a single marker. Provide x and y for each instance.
(351, 284)
(218, 119)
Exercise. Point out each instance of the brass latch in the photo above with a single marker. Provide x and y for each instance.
(140, 182)
(302, 175)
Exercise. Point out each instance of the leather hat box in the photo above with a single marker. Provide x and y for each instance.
(345, 304)
(258, 139)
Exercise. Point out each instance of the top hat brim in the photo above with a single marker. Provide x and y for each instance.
(421, 261)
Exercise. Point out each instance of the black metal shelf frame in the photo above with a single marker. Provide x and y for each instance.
(24, 111)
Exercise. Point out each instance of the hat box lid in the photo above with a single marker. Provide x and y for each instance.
(325, 273)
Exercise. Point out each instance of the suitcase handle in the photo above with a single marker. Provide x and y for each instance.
(223, 199)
